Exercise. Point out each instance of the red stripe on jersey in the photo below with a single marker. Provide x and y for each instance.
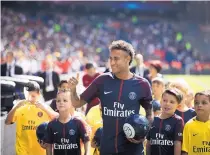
(161, 125)
(119, 96)
(120, 93)
(64, 135)
(182, 115)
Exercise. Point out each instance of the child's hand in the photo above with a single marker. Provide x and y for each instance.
(93, 144)
(20, 104)
(39, 105)
(42, 144)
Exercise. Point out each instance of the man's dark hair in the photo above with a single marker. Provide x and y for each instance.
(89, 66)
(124, 46)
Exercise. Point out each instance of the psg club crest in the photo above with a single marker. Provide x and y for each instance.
(132, 95)
(71, 132)
(167, 127)
(40, 114)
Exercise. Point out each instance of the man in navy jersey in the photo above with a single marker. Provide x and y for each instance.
(121, 93)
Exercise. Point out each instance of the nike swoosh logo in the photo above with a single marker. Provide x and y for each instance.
(55, 133)
(152, 127)
(107, 92)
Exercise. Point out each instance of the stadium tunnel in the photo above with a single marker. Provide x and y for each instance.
(12, 88)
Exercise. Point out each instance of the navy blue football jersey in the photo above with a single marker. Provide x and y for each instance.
(66, 137)
(163, 134)
(187, 115)
(119, 99)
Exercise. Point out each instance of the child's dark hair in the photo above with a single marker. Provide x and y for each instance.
(62, 82)
(33, 86)
(89, 66)
(176, 93)
(205, 92)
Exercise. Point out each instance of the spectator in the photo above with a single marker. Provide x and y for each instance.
(51, 81)
(87, 79)
(154, 69)
(140, 69)
(10, 68)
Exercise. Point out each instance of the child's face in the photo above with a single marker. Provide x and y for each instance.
(33, 96)
(63, 101)
(64, 86)
(189, 99)
(91, 71)
(168, 104)
(157, 89)
(202, 105)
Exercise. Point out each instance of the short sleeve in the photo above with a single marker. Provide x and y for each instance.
(16, 115)
(92, 91)
(49, 134)
(146, 99)
(185, 143)
(84, 131)
(178, 134)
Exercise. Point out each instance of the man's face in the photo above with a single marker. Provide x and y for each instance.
(119, 61)
(9, 57)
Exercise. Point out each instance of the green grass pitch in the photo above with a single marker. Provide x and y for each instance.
(196, 82)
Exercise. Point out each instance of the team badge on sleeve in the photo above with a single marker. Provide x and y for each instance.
(40, 114)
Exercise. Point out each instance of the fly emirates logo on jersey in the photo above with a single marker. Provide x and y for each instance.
(205, 147)
(31, 125)
(65, 145)
(161, 141)
(117, 111)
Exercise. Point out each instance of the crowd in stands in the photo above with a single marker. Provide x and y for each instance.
(74, 40)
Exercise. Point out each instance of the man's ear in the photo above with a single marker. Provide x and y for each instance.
(128, 59)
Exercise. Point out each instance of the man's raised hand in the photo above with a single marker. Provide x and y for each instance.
(73, 82)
